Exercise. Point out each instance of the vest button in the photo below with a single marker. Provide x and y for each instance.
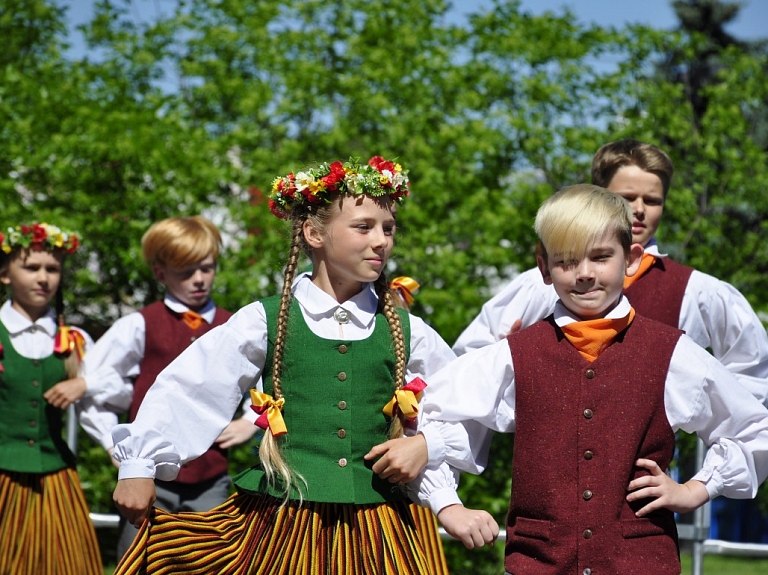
(588, 454)
(342, 348)
(588, 413)
(342, 433)
(193, 338)
(342, 405)
(35, 383)
(35, 403)
(342, 462)
(31, 442)
(590, 373)
(587, 571)
(587, 533)
(33, 423)
(587, 495)
(35, 362)
(342, 376)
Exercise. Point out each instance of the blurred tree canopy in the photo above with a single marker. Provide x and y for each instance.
(198, 108)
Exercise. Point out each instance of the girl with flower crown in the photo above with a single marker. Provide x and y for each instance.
(342, 371)
(43, 514)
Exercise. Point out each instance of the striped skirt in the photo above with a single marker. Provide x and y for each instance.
(45, 526)
(253, 535)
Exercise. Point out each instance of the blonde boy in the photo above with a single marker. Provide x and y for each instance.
(594, 394)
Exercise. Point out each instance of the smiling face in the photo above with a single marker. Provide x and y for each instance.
(33, 276)
(591, 286)
(354, 247)
(645, 193)
(191, 285)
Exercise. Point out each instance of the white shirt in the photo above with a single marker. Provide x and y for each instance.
(713, 314)
(114, 362)
(194, 398)
(475, 395)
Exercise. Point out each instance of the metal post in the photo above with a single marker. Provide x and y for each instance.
(72, 428)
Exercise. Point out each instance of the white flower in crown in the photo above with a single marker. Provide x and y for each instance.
(303, 181)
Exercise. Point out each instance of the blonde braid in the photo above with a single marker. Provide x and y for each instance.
(387, 306)
(270, 454)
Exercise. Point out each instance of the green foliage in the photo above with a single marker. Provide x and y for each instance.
(199, 108)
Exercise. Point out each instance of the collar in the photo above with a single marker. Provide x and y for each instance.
(208, 312)
(652, 248)
(563, 316)
(319, 305)
(16, 323)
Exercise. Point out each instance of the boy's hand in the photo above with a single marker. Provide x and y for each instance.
(667, 492)
(401, 460)
(473, 527)
(237, 432)
(134, 498)
(64, 393)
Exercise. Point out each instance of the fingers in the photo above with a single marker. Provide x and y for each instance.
(377, 450)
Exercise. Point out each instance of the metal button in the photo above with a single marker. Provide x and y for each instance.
(35, 362)
(35, 383)
(342, 433)
(342, 376)
(588, 454)
(342, 348)
(587, 571)
(193, 338)
(588, 413)
(342, 462)
(31, 442)
(33, 423)
(342, 405)
(35, 403)
(590, 373)
(587, 533)
(587, 495)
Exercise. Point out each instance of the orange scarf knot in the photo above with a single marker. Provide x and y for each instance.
(68, 340)
(270, 412)
(406, 287)
(193, 319)
(406, 400)
(592, 337)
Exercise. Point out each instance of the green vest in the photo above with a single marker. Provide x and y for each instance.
(30, 428)
(334, 392)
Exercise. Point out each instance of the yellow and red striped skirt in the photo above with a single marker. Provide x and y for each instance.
(250, 534)
(45, 525)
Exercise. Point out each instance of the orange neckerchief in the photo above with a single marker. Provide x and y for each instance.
(645, 265)
(592, 336)
(193, 319)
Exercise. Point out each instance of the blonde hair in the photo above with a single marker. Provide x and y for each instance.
(181, 241)
(573, 218)
(615, 155)
(272, 459)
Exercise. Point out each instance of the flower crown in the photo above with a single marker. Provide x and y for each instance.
(314, 186)
(47, 236)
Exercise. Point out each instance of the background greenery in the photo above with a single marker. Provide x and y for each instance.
(199, 109)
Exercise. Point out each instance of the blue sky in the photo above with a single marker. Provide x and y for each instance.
(751, 24)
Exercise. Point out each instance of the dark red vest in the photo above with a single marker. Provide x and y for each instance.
(580, 428)
(166, 337)
(658, 293)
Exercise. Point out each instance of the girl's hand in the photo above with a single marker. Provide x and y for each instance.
(65, 393)
(401, 460)
(237, 432)
(667, 492)
(134, 498)
(473, 527)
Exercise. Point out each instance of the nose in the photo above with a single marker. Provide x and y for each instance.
(378, 238)
(197, 276)
(584, 270)
(638, 208)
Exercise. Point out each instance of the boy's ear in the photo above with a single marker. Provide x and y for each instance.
(541, 262)
(159, 272)
(312, 235)
(634, 257)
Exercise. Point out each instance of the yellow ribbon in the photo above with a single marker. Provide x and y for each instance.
(406, 400)
(68, 340)
(270, 412)
(406, 287)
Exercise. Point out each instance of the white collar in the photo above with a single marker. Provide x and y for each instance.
(317, 303)
(16, 323)
(563, 316)
(652, 248)
(208, 312)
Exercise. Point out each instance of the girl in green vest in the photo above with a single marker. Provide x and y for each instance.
(342, 369)
(44, 518)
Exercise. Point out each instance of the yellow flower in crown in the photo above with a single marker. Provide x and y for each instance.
(45, 235)
(379, 177)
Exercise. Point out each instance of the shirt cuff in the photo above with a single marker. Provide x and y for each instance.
(442, 498)
(136, 468)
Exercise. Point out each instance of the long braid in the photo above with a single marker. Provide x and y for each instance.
(72, 360)
(387, 306)
(270, 454)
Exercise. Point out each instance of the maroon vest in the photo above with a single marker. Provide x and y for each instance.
(658, 293)
(166, 337)
(580, 428)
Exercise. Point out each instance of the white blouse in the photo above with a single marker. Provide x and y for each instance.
(714, 314)
(194, 398)
(475, 395)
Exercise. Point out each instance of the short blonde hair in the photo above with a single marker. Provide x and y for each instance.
(181, 241)
(572, 219)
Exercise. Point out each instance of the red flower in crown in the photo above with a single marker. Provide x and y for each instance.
(336, 176)
(38, 234)
(74, 243)
(381, 164)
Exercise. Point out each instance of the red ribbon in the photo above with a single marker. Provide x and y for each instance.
(406, 400)
(68, 340)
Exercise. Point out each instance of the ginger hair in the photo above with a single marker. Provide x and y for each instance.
(181, 241)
